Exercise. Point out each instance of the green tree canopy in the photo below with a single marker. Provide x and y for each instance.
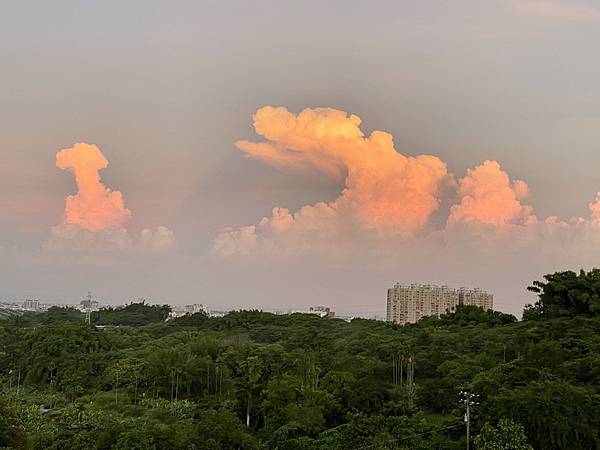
(508, 435)
(565, 294)
(12, 435)
(134, 314)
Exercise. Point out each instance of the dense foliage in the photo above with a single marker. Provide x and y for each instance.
(254, 380)
(134, 314)
(566, 294)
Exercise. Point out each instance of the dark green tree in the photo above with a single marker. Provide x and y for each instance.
(12, 435)
(565, 294)
(134, 314)
(507, 435)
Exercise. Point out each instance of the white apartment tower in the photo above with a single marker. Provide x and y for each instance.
(477, 297)
(407, 303)
(31, 305)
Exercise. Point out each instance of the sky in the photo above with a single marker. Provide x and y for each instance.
(278, 155)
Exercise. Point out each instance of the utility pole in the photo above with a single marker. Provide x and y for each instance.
(468, 423)
(410, 373)
(88, 308)
(468, 399)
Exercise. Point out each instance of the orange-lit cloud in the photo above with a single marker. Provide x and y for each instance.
(95, 217)
(95, 207)
(387, 197)
(388, 200)
(384, 190)
(488, 196)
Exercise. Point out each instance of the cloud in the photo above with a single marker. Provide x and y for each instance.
(73, 238)
(95, 218)
(488, 196)
(384, 212)
(68, 238)
(384, 190)
(95, 207)
(594, 208)
(312, 229)
(556, 9)
(157, 240)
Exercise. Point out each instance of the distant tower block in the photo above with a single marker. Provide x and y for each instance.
(407, 303)
(88, 304)
(31, 305)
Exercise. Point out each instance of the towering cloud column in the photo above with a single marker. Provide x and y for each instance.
(95, 207)
(384, 190)
(385, 193)
(96, 216)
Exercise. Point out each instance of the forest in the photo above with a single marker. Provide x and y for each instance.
(253, 380)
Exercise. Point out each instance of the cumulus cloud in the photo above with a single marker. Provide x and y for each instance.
(488, 196)
(95, 217)
(157, 240)
(313, 228)
(95, 207)
(74, 238)
(384, 190)
(386, 205)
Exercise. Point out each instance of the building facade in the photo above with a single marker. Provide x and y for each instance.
(31, 305)
(407, 303)
(476, 297)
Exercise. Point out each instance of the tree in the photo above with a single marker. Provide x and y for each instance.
(508, 435)
(471, 314)
(222, 430)
(565, 294)
(63, 355)
(555, 414)
(134, 314)
(57, 314)
(196, 319)
(174, 371)
(12, 435)
(302, 382)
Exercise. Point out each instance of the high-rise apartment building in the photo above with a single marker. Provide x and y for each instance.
(407, 303)
(477, 297)
(31, 305)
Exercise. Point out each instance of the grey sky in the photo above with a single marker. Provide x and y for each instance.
(166, 88)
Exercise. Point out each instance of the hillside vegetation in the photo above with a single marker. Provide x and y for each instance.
(254, 380)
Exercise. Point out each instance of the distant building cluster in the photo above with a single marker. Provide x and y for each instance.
(407, 303)
(321, 311)
(31, 305)
(89, 304)
(178, 311)
(9, 308)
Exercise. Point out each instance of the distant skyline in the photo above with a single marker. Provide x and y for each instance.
(234, 160)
